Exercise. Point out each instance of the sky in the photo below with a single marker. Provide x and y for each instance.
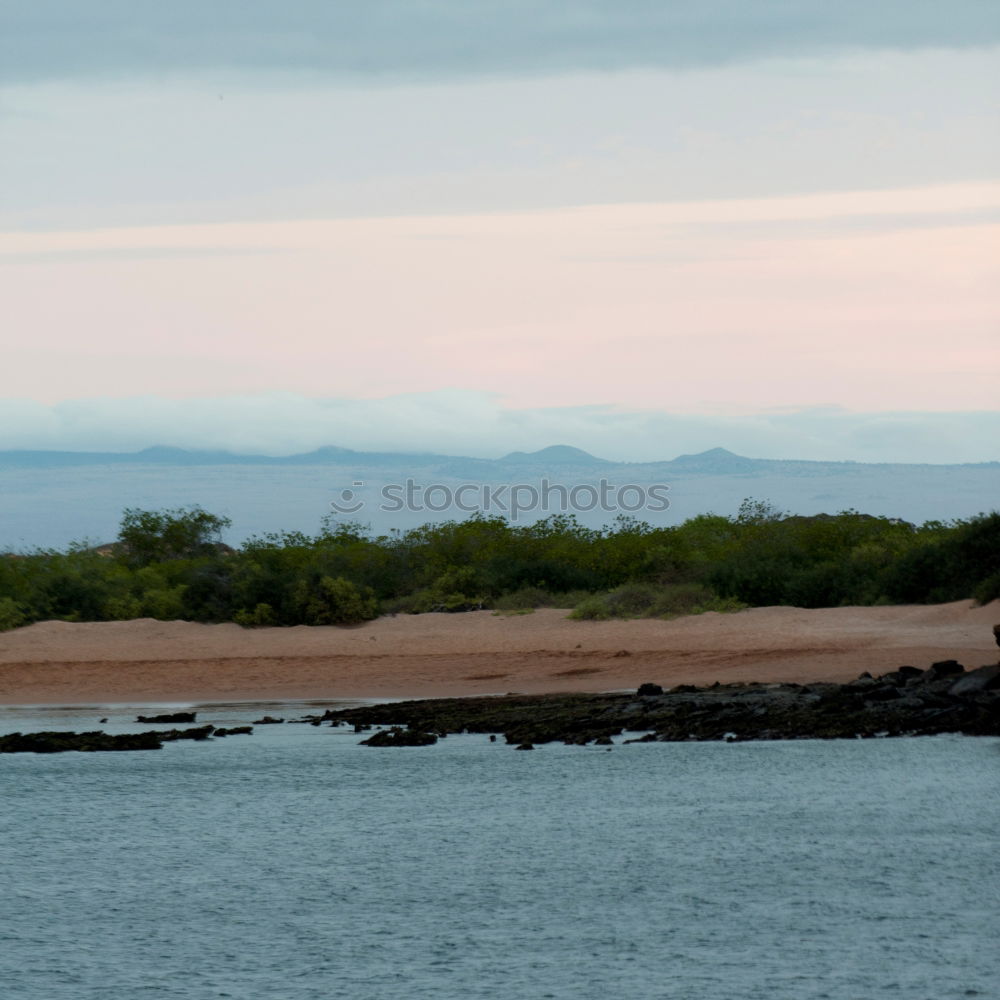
(639, 228)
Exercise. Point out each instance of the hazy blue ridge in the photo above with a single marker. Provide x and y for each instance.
(713, 461)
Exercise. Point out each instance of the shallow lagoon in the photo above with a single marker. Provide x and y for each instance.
(295, 863)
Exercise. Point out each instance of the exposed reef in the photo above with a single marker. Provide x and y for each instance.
(58, 742)
(906, 702)
(397, 736)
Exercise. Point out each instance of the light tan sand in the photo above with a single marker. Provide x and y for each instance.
(477, 653)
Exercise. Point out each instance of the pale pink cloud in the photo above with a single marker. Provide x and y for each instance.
(869, 300)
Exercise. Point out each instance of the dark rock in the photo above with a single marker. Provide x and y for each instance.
(59, 742)
(525, 746)
(864, 681)
(267, 721)
(397, 736)
(944, 668)
(169, 718)
(984, 679)
(234, 731)
(884, 692)
(901, 676)
(649, 690)
(996, 634)
(198, 733)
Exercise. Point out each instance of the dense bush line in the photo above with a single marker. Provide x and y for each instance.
(172, 564)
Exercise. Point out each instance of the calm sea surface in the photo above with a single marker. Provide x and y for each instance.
(294, 863)
(55, 506)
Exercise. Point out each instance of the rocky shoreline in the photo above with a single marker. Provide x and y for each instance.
(909, 701)
(906, 702)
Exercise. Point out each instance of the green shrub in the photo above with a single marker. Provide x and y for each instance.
(149, 536)
(165, 603)
(721, 605)
(631, 600)
(524, 599)
(570, 598)
(988, 590)
(454, 603)
(420, 602)
(690, 599)
(593, 608)
(335, 601)
(425, 602)
(261, 616)
(648, 601)
(122, 608)
(11, 614)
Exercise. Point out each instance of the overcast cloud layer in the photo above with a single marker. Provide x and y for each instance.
(475, 424)
(400, 39)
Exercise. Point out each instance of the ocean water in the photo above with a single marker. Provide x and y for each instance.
(295, 863)
(52, 507)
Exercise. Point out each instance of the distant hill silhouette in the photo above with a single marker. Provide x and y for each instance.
(715, 461)
(556, 454)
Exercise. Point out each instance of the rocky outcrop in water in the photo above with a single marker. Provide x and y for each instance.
(166, 720)
(397, 736)
(909, 701)
(58, 742)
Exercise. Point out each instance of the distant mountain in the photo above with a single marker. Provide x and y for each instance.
(714, 462)
(556, 454)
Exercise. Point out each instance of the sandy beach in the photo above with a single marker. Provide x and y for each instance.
(477, 653)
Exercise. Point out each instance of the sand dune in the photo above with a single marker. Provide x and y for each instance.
(477, 653)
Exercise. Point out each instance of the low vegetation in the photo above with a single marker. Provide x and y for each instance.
(172, 564)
